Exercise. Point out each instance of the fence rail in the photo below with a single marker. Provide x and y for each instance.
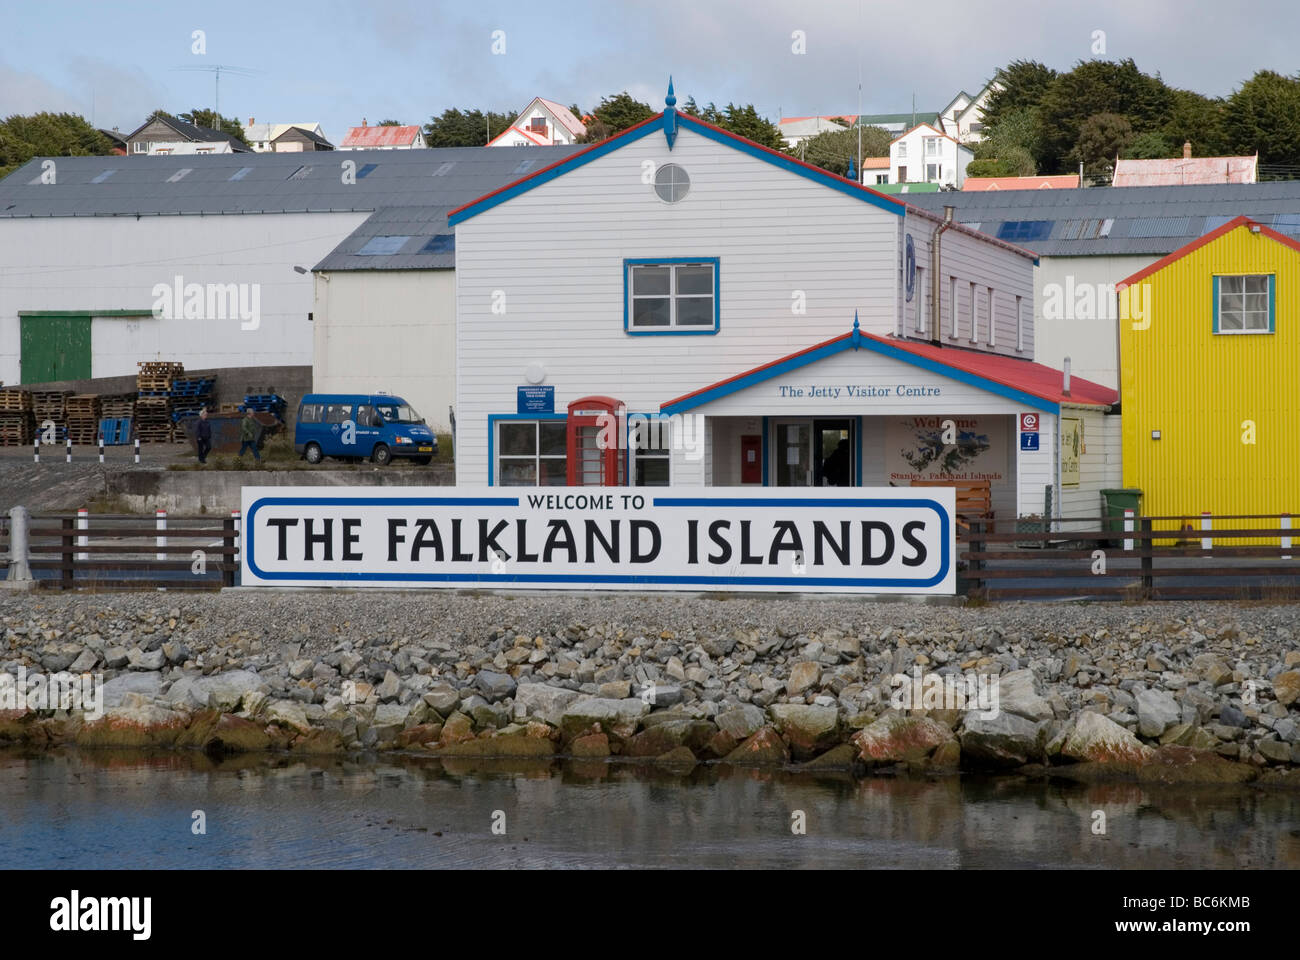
(1138, 558)
(80, 551)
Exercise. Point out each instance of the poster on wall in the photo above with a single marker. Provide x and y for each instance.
(1071, 447)
(916, 448)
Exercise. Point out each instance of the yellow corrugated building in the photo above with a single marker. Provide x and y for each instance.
(1210, 378)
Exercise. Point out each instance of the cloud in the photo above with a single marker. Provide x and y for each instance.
(102, 92)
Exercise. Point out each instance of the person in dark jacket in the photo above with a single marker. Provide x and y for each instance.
(203, 436)
(248, 434)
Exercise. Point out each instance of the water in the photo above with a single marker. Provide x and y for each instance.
(107, 810)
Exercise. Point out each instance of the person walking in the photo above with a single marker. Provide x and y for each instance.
(248, 434)
(203, 436)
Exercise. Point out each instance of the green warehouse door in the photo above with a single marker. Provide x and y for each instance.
(55, 348)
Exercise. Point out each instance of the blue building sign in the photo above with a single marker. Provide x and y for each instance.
(536, 400)
(1028, 441)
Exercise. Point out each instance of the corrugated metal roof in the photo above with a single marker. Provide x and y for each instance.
(1164, 218)
(1183, 171)
(380, 136)
(416, 187)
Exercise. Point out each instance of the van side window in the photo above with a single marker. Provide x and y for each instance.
(311, 413)
(338, 413)
(366, 416)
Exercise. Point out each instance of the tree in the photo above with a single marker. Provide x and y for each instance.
(1149, 146)
(390, 123)
(618, 112)
(1102, 137)
(465, 128)
(1264, 116)
(48, 135)
(743, 121)
(1020, 85)
(1016, 138)
(1093, 87)
(1198, 120)
(833, 149)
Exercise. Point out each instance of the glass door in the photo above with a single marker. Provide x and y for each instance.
(833, 454)
(794, 461)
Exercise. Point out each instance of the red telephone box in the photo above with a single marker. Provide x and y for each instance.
(595, 447)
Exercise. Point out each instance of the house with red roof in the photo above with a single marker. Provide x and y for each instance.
(382, 137)
(700, 310)
(543, 123)
(1065, 182)
(1185, 171)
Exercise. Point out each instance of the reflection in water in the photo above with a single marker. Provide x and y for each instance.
(107, 809)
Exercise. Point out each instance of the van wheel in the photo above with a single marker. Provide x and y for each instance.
(422, 461)
(313, 453)
(381, 455)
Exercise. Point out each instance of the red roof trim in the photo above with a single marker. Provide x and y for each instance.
(1210, 237)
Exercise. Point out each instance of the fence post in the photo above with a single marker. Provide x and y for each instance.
(65, 574)
(36, 451)
(1128, 528)
(1148, 560)
(18, 545)
(162, 525)
(137, 449)
(83, 523)
(1206, 542)
(228, 534)
(235, 518)
(974, 564)
(101, 447)
(1286, 541)
(67, 442)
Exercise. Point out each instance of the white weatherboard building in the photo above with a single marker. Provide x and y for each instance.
(925, 154)
(776, 322)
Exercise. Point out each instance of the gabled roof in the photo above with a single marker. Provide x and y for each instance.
(875, 163)
(191, 132)
(660, 123)
(380, 136)
(1033, 384)
(1210, 237)
(928, 126)
(1066, 182)
(874, 119)
(562, 114)
(309, 134)
(526, 134)
(1180, 171)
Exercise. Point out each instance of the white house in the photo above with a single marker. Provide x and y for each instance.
(925, 154)
(963, 117)
(261, 136)
(542, 123)
(784, 333)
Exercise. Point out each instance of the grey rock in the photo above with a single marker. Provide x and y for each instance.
(116, 657)
(300, 668)
(1003, 739)
(145, 684)
(1017, 694)
(389, 688)
(1232, 716)
(85, 661)
(495, 685)
(137, 659)
(545, 702)
(442, 697)
(1157, 711)
(741, 722)
(58, 657)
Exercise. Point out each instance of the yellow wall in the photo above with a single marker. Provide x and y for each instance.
(1198, 387)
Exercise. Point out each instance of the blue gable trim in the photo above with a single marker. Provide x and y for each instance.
(854, 342)
(670, 127)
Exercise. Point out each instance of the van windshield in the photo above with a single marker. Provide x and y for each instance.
(398, 413)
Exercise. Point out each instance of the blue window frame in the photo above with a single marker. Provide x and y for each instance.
(671, 295)
(1245, 303)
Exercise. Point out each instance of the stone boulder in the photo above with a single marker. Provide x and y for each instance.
(1003, 740)
(809, 730)
(1018, 694)
(765, 747)
(895, 738)
(1172, 764)
(545, 702)
(617, 717)
(1101, 739)
(1157, 711)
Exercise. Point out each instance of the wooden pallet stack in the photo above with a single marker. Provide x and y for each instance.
(51, 405)
(83, 418)
(17, 426)
(153, 405)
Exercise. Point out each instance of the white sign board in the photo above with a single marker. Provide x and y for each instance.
(843, 540)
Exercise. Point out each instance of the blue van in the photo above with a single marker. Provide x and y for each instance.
(355, 425)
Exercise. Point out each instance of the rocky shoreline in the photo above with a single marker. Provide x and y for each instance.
(1161, 693)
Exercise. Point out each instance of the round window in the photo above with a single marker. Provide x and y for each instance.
(671, 183)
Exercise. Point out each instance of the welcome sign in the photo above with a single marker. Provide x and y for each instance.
(844, 540)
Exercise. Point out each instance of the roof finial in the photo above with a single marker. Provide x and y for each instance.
(856, 336)
(670, 114)
(855, 319)
(852, 175)
(671, 99)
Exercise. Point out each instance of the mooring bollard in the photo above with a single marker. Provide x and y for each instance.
(1128, 528)
(68, 444)
(162, 525)
(137, 449)
(83, 523)
(18, 545)
(234, 518)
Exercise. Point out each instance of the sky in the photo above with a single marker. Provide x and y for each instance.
(338, 61)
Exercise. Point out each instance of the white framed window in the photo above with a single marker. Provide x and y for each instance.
(649, 440)
(932, 147)
(933, 172)
(139, 146)
(993, 336)
(952, 307)
(671, 296)
(974, 319)
(531, 453)
(902, 150)
(1020, 325)
(1243, 304)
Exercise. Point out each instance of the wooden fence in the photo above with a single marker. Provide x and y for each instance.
(81, 551)
(1138, 558)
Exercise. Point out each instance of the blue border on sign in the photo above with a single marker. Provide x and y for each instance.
(628, 579)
